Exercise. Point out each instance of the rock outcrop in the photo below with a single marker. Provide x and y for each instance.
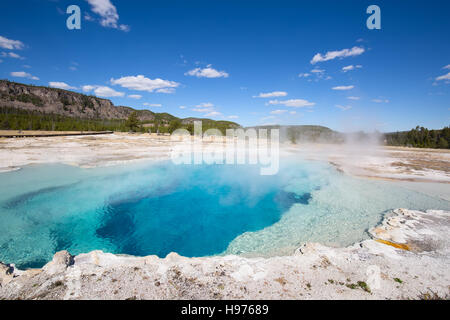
(63, 102)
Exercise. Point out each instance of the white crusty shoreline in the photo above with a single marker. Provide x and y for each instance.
(409, 248)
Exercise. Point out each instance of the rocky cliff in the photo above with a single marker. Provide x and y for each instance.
(63, 102)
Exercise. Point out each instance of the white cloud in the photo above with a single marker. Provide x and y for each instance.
(319, 74)
(271, 94)
(166, 90)
(351, 67)
(108, 14)
(1, 60)
(213, 114)
(233, 117)
(23, 74)
(268, 118)
(107, 92)
(278, 111)
(9, 44)
(330, 55)
(88, 17)
(344, 108)
(103, 91)
(446, 67)
(12, 55)
(380, 100)
(207, 72)
(295, 103)
(135, 96)
(443, 77)
(87, 88)
(343, 88)
(124, 27)
(353, 98)
(205, 105)
(73, 68)
(293, 112)
(201, 109)
(152, 104)
(348, 68)
(141, 83)
(61, 85)
(182, 107)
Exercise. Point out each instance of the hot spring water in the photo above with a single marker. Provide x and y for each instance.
(145, 209)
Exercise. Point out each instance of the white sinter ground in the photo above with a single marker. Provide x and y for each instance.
(412, 261)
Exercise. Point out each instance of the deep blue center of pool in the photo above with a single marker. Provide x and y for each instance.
(192, 210)
(193, 222)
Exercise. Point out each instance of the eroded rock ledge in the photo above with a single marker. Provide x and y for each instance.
(408, 257)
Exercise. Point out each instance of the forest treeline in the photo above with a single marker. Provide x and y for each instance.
(19, 119)
(420, 137)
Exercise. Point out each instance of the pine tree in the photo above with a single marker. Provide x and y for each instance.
(132, 122)
(443, 144)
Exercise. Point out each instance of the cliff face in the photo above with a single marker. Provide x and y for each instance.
(62, 102)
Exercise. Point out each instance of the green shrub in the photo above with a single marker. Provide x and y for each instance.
(30, 98)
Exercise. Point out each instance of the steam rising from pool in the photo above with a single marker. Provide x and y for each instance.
(202, 210)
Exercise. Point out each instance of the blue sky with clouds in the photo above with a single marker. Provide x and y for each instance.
(253, 62)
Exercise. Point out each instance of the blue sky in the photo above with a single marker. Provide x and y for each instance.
(247, 61)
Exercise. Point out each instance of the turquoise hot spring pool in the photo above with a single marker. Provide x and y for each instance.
(196, 210)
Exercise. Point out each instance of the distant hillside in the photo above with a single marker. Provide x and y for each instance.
(418, 137)
(306, 133)
(28, 107)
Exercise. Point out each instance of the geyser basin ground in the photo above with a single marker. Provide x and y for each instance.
(157, 208)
